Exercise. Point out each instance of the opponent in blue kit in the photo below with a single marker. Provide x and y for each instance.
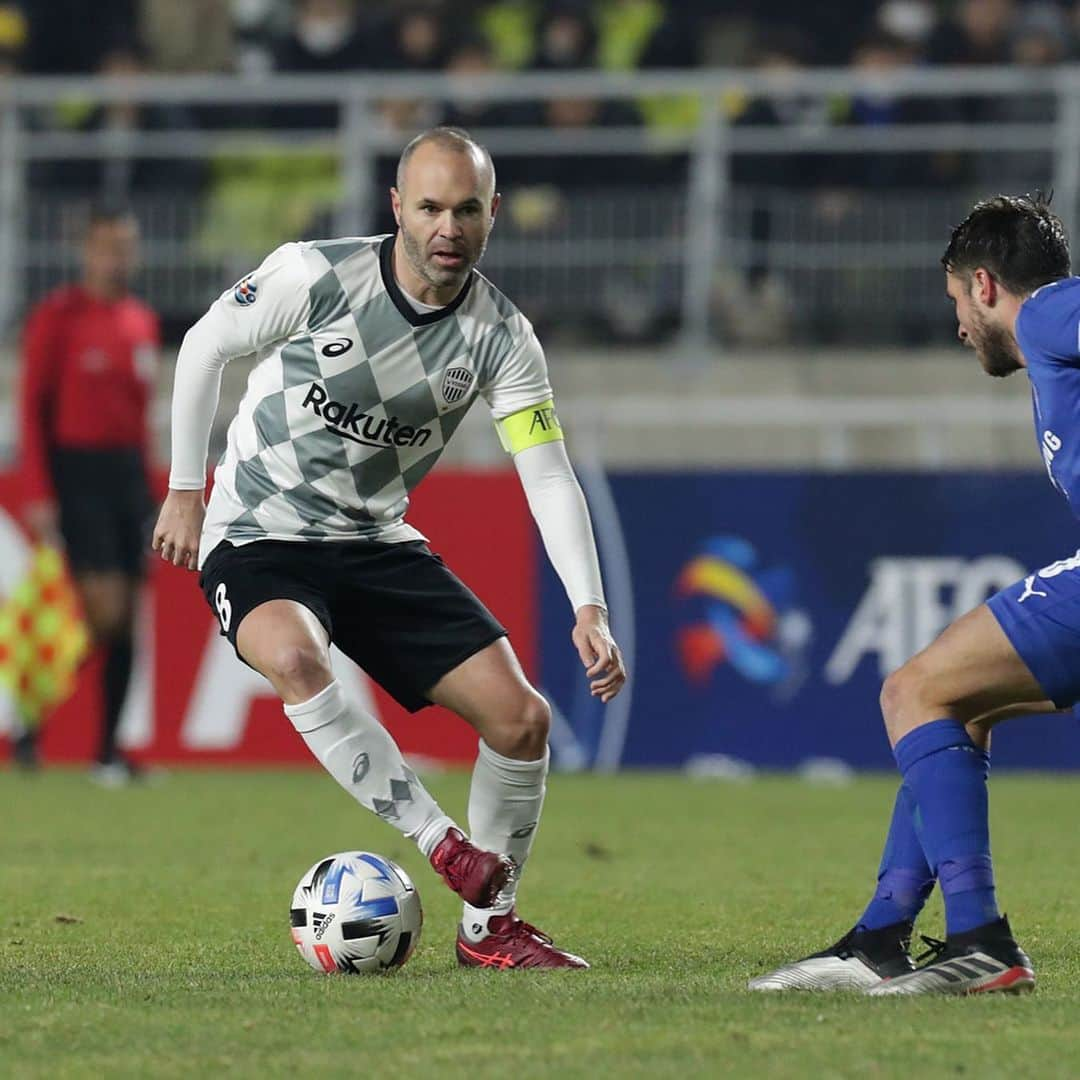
(1007, 272)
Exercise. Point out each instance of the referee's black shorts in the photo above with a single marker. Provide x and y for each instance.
(397, 610)
(106, 509)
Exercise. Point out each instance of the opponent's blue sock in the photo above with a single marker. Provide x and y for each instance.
(946, 775)
(905, 879)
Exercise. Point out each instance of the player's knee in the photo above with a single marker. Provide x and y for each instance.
(895, 691)
(524, 732)
(902, 695)
(299, 671)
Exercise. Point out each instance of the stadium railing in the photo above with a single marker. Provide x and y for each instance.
(678, 251)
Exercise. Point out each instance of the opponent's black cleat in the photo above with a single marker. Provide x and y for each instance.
(985, 960)
(859, 960)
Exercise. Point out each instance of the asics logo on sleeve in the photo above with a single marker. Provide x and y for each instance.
(346, 419)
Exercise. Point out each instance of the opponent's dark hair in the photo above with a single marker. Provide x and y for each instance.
(449, 138)
(1016, 238)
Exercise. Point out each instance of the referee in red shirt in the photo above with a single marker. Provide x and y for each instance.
(88, 366)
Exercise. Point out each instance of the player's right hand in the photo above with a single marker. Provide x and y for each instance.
(43, 520)
(179, 527)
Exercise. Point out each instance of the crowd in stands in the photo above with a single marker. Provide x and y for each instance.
(254, 203)
(253, 37)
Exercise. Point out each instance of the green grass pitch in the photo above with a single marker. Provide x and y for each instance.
(144, 932)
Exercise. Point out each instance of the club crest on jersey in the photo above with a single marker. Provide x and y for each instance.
(455, 384)
(246, 292)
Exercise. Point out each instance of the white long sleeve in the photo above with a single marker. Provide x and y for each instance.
(267, 306)
(196, 389)
(562, 516)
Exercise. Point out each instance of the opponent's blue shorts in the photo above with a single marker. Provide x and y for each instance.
(1041, 618)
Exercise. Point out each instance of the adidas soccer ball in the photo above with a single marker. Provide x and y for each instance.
(355, 913)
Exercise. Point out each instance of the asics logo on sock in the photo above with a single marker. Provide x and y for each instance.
(344, 418)
(360, 766)
(1029, 589)
(524, 831)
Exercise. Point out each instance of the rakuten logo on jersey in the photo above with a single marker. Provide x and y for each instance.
(344, 418)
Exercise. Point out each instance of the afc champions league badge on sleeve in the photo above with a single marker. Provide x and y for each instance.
(455, 384)
(245, 292)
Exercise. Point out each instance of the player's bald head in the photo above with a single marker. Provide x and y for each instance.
(447, 140)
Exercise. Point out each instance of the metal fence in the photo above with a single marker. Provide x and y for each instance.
(707, 231)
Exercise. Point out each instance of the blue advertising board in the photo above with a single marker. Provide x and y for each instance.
(761, 611)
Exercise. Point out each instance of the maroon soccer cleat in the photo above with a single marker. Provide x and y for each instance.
(513, 943)
(477, 876)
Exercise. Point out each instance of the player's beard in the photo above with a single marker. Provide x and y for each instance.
(430, 271)
(995, 348)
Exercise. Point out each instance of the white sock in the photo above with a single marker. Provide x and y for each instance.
(359, 754)
(504, 810)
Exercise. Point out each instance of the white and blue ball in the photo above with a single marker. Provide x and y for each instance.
(355, 913)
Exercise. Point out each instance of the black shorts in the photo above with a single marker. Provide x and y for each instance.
(397, 610)
(106, 510)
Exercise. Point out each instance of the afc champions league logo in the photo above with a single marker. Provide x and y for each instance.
(742, 615)
(455, 384)
(246, 292)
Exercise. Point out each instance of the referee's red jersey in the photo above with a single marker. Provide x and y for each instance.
(87, 379)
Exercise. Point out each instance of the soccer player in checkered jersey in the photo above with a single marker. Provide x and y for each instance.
(369, 351)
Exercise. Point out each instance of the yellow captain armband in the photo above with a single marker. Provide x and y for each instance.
(530, 427)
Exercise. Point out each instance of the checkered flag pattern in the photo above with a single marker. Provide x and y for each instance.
(43, 637)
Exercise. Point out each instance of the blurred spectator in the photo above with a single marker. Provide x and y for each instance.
(510, 29)
(1040, 37)
(978, 33)
(420, 37)
(471, 57)
(650, 34)
(329, 35)
(14, 35)
(779, 52)
(913, 21)
(326, 36)
(882, 54)
(257, 29)
(566, 38)
(192, 36)
(418, 41)
(644, 34)
(72, 36)
(122, 173)
(830, 30)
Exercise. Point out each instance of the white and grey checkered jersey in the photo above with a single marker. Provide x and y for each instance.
(354, 394)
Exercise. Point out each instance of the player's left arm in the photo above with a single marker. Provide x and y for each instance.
(522, 403)
(562, 516)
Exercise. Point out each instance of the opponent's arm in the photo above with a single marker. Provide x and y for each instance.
(558, 506)
(235, 325)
